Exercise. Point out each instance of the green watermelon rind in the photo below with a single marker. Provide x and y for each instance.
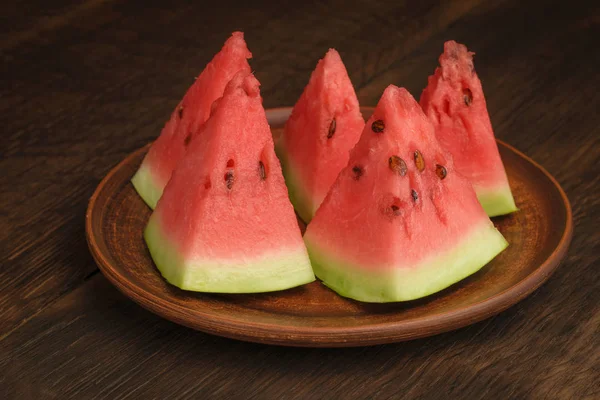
(271, 272)
(384, 285)
(497, 201)
(297, 194)
(144, 184)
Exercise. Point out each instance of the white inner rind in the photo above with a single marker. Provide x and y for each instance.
(144, 184)
(380, 284)
(275, 270)
(496, 200)
(299, 197)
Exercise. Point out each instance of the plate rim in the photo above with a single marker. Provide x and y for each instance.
(312, 336)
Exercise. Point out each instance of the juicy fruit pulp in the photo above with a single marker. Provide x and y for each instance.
(455, 104)
(325, 124)
(399, 223)
(224, 222)
(188, 117)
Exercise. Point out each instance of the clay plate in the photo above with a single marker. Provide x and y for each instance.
(312, 315)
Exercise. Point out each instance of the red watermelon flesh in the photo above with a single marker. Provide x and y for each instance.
(399, 223)
(188, 116)
(325, 124)
(455, 104)
(224, 222)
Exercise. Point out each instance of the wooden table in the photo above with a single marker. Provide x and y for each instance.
(86, 83)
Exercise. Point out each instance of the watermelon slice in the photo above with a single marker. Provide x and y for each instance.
(325, 124)
(399, 223)
(455, 104)
(188, 116)
(225, 223)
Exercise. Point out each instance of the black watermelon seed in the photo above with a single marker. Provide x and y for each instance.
(419, 160)
(467, 96)
(261, 171)
(332, 127)
(378, 126)
(397, 165)
(414, 194)
(187, 139)
(440, 170)
(229, 179)
(358, 172)
(180, 112)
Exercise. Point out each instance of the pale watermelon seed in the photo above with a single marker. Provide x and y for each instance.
(440, 170)
(397, 165)
(378, 126)
(419, 160)
(332, 127)
(358, 172)
(467, 96)
(261, 171)
(414, 194)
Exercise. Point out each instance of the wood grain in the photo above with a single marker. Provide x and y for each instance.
(312, 315)
(79, 97)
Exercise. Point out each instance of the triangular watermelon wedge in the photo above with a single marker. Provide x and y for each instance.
(225, 223)
(188, 116)
(325, 124)
(455, 104)
(399, 222)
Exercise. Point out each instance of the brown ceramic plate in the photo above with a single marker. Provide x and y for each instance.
(312, 315)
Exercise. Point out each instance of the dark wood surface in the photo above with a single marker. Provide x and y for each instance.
(313, 315)
(85, 83)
